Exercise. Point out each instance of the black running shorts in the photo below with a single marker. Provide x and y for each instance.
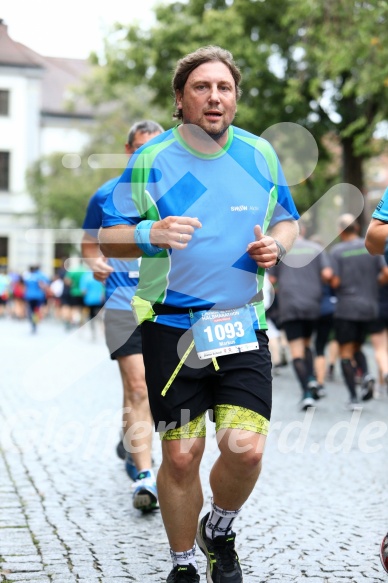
(379, 325)
(295, 329)
(122, 334)
(350, 331)
(243, 379)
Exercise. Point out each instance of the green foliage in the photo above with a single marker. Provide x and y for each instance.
(320, 63)
(61, 194)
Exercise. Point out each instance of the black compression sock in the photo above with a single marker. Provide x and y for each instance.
(348, 374)
(300, 369)
(360, 359)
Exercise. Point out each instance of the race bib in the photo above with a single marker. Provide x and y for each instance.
(221, 332)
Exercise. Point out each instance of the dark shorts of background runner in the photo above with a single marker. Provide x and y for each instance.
(122, 334)
(323, 330)
(377, 326)
(295, 329)
(351, 330)
(244, 379)
(76, 301)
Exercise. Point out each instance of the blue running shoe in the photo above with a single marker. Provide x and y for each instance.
(130, 467)
(145, 495)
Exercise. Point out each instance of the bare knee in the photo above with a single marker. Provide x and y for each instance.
(136, 393)
(244, 456)
(182, 461)
(247, 461)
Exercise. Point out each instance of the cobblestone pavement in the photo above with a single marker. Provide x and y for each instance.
(318, 512)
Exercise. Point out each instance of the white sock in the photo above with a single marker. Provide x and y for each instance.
(184, 558)
(220, 521)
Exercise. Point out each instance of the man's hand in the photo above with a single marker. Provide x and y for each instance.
(174, 232)
(101, 269)
(263, 250)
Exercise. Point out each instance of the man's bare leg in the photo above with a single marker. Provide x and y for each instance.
(137, 419)
(180, 490)
(237, 469)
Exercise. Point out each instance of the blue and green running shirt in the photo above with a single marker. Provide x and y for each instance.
(230, 192)
(381, 211)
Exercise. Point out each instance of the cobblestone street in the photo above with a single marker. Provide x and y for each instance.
(318, 513)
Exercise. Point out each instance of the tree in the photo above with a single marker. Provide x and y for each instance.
(61, 193)
(321, 64)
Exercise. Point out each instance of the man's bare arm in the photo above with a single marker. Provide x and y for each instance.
(118, 241)
(286, 233)
(94, 258)
(264, 250)
(376, 237)
(169, 233)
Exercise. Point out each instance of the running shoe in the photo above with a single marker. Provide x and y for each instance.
(307, 401)
(384, 553)
(367, 387)
(120, 450)
(183, 574)
(223, 565)
(330, 373)
(312, 386)
(386, 382)
(317, 390)
(354, 404)
(130, 467)
(145, 495)
(320, 391)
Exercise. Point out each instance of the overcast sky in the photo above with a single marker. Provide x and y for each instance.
(72, 28)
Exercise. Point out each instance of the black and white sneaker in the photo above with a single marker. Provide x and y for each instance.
(367, 388)
(223, 565)
(317, 391)
(354, 404)
(183, 574)
(307, 401)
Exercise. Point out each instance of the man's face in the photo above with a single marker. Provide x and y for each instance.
(209, 99)
(139, 140)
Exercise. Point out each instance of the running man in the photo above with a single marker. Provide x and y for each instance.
(198, 203)
(300, 291)
(356, 279)
(36, 287)
(122, 335)
(376, 242)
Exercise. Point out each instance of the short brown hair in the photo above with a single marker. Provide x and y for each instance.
(347, 224)
(203, 55)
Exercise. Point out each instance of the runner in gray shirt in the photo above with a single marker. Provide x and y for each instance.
(299, 291)
(356, 280)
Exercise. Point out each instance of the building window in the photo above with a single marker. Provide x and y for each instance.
(4, 102)
(4, 170)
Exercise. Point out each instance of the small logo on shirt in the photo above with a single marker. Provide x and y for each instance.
(243, 207)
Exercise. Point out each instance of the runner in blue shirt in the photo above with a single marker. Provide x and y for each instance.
(198, 202)
(123, 338)
(377, 233)
(36, 285)
(376, 242)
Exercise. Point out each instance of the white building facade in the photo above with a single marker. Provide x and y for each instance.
(34, 121)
